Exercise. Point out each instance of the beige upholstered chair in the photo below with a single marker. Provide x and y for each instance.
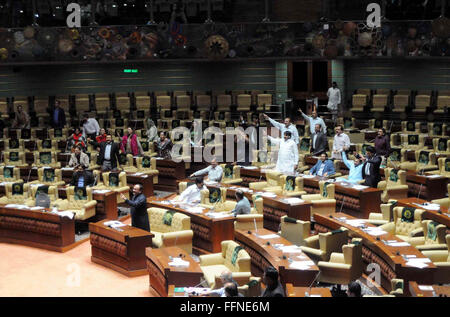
(443, 101)
(413, 141)
(14, 145)
(170, 229)
(231, 174)
(248, 286)
(14, 158)
(263, 159)
(294, 230)
(359, 101)
(15, 193)
(272, 183)
(292, 186)
(79, 201)
(216, 198)
(47, 158)
(383, 217)
(247, 222)
(441, 258)
(425, 162)
(407, 223)
(129, 165)
(243, 102)
(379, 102)
(49, 176)
(51, 191)
(10, 174)
(394, 187)
(422, 102)
(400, 103)
(345, 267)
(319, 247)
(323, 203)
(58, 134)
(433, 237)
(233, 258)
(444, 167)
(441, 146)
(147, 165)
(445, 202)
(263, 102)
(436, 129)
(397, 286)
(116, 182)
(47, 145)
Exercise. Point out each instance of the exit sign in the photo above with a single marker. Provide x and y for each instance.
(130, 71)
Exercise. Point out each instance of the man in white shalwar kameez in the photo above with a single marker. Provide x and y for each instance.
(287, 161)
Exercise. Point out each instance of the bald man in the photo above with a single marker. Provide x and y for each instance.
(214, 172)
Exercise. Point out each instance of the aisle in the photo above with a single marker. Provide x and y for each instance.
(26, 271)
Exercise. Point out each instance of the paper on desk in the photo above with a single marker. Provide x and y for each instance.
(300, 265)
(269, 236)
(138, 174)
(101, 191)
(218, 215)
(294, 201)
(419, 265)
(178, 262)
(434, 176)
(67, 168)
(426, 288)
(12, 206)
(375, 231)
(36, 208)
(197, 290)
(431, 207)
(36, 185)
(308, 176)
(355, 222)
(67, 213)
(269, 195)
(399, 244)
(250, 167)
(114, 224)
(290, 249)
(360, 187)
(195, 210)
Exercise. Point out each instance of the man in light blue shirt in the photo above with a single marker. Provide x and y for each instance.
(287, 126)
(214, 172)
(355, 167)
(313, 120)
(243, 205)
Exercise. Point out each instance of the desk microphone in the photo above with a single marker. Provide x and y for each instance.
(267, 243)
(342, 204)
(390, 127)
(310, 286)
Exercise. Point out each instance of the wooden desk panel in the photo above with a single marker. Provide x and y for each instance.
(169, 173)
(37, 229)
(296, 291)
(438, 291)
(161, 274)
(389, 258)
(252, 175)
(263, 255)
(145, 180)
(122, 251)
(357, 203)
(208, 232)
(424, 187)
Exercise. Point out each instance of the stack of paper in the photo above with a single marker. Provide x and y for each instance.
(356, 222)
(13, 206)
(101, 191)
(294, 201)
(301, 265)
(434, 176)
(375, 231)
(195, 210)
(428, 288)
(418, 262)
(37, 208)
(179, 262)
(360, 187)
(308, 176)
(291, 249)
(269, 236)
(114, 224)
(218, 215)
(431, 207)
(250, 167)
(197, 290)
(269, 195)
(67, 213)
(67, 168)
(36, 185)
(398, 244)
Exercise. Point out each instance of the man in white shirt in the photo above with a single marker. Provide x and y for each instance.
(191, 195)
(90, 127)
(287, 126)
(341, 142)
(287, 161)
(313, 120)
(334, 100)
(214, 172)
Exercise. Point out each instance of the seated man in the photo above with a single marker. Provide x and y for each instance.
(192, 193)
(355, 167)
(226, 277)
(273, 285)
(243, 205)
(78, 158)
(324, 166)
(354, 290)
(214, 172)
(82, 177)
(231, 290)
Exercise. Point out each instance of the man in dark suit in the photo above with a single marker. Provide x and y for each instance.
(108, 157)
(371, 168)
(58, 116)
(138, 204)
(82, 178)
(273, 285)
(319, 142)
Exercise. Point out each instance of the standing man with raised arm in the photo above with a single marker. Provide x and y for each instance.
(341, 142)
(313, 120)
(287, 126)
(138, 204)
(287, 161)
(334, 100)
(90, 127)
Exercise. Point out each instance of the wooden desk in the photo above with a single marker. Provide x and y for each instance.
(38, 229)
(389, 258)
(122, 251)
(263, 255)
(439, 291)
(161, 274)
(292, 291)
(442, 216)
(252, 175)
(274, 208)
(426, 187)
(208, 232)
(355, 202)
(169, 173)
(106, 207)
(145, 180)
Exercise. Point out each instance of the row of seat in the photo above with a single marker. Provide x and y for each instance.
(399, 101)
